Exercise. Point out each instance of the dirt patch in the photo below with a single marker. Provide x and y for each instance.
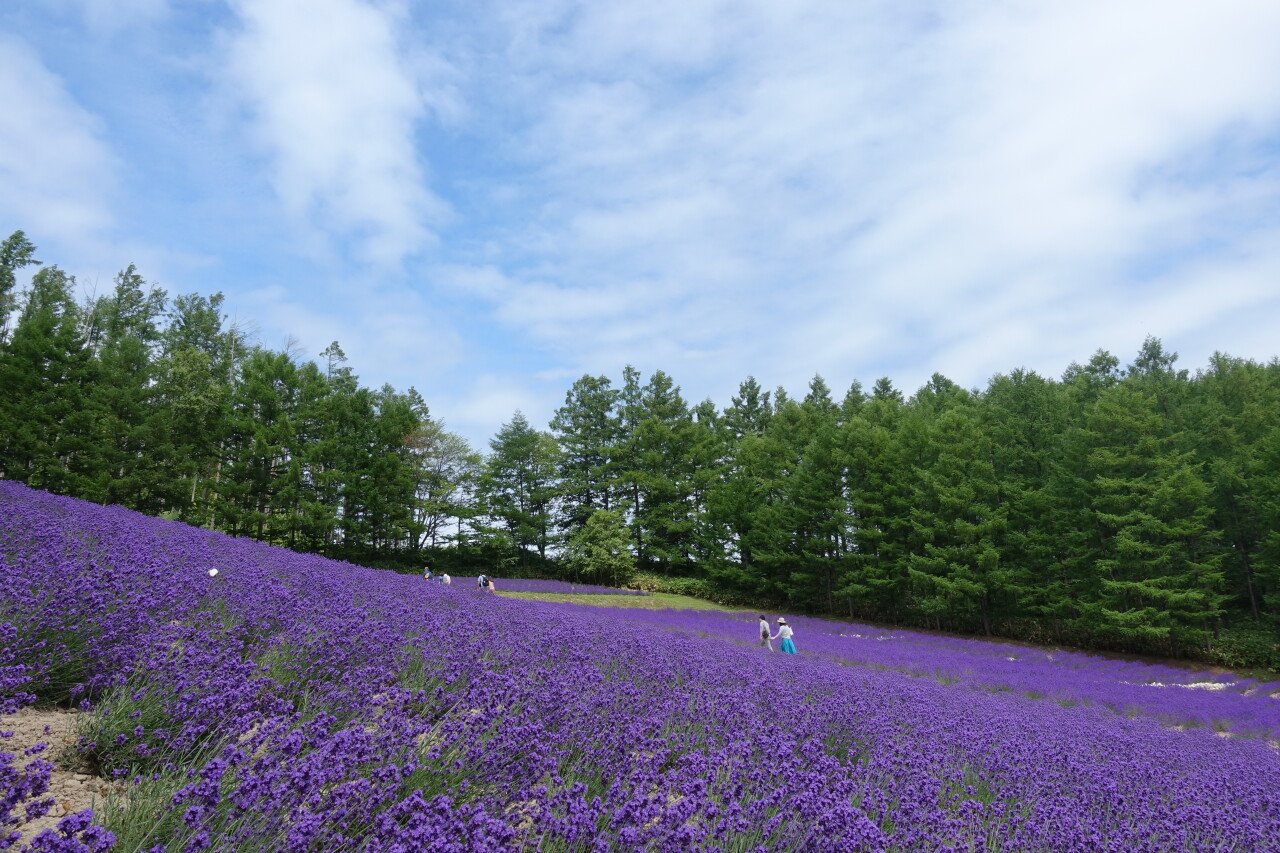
(71, 791)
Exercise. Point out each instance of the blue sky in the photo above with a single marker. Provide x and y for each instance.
(487, 200)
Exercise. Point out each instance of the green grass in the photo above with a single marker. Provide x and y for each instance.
(652, 601)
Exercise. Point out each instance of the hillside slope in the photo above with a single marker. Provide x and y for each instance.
(296, 702)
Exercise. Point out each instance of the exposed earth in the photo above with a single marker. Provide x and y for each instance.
(72, 791)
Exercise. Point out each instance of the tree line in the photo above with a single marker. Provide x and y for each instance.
(158, 404)
(1132, 507)
(1135, 508)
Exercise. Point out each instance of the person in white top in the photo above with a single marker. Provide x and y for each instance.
(784, 634)
(445, 579)
(766, 642)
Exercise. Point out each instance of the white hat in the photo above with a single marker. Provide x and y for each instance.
(781, 621)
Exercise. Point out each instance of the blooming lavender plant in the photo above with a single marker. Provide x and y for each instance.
(294, 702)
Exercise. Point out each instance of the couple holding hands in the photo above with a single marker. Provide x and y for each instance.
(784, 634)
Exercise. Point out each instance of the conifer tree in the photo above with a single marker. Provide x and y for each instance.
(586, 429)
(132, 439)
(517, 488)
(46, 371)
(876, 582)
(1158, 567)
(662, 468)
(956, 573)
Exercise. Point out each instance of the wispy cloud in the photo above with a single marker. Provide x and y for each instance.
(56, 170)
(390, 334)
(495, 197)
(779, 189)
(335, 99)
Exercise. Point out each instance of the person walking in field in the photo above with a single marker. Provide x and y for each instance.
(492, 589)
(426, 573)
(445, 579)
(784, 634)
(482, 582)
(766, 641)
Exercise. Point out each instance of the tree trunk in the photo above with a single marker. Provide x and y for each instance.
(1248, 581)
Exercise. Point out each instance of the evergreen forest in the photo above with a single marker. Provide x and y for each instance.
(1125, 506)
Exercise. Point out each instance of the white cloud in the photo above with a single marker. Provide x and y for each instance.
(779, 189)
(55, 168)
(389, 334)
(335, 101)
(480, 406)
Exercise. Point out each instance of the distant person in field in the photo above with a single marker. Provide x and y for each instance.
(766, 641)
(490, 586)
(787, 645)
(426, 573)
(445, 579)
(482, 582)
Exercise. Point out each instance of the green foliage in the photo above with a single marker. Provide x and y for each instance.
(154, 403)
(1249, 645)
(129, 732)
(16, 252)
(587, 431)
(600, 551)
(516, 490)
(1135, 508)
(694, 588)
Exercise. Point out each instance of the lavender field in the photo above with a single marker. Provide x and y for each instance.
(293, 702)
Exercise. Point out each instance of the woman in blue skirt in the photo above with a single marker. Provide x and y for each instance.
(787, 645)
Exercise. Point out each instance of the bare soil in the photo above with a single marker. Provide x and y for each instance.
(72, 791)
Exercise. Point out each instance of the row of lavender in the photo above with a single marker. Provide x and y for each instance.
(327, 707)
(1176, 696)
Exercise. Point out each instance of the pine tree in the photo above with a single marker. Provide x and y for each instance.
(1227, 415)
(1158, 568)
(1024, 417)
(517, 488)
(735, 494)
(132, 438)
(748, 412)
(663, 468)
(193, 397)
(876, 582)
(818, 494)
(46, 371)
(586, 429)
(257, 477)
(957, 573)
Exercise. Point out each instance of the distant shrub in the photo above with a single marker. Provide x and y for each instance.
(600, 550)
(692, 587)
(1249, 645)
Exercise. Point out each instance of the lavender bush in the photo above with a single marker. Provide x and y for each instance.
(1177, 696)
(293, 702)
